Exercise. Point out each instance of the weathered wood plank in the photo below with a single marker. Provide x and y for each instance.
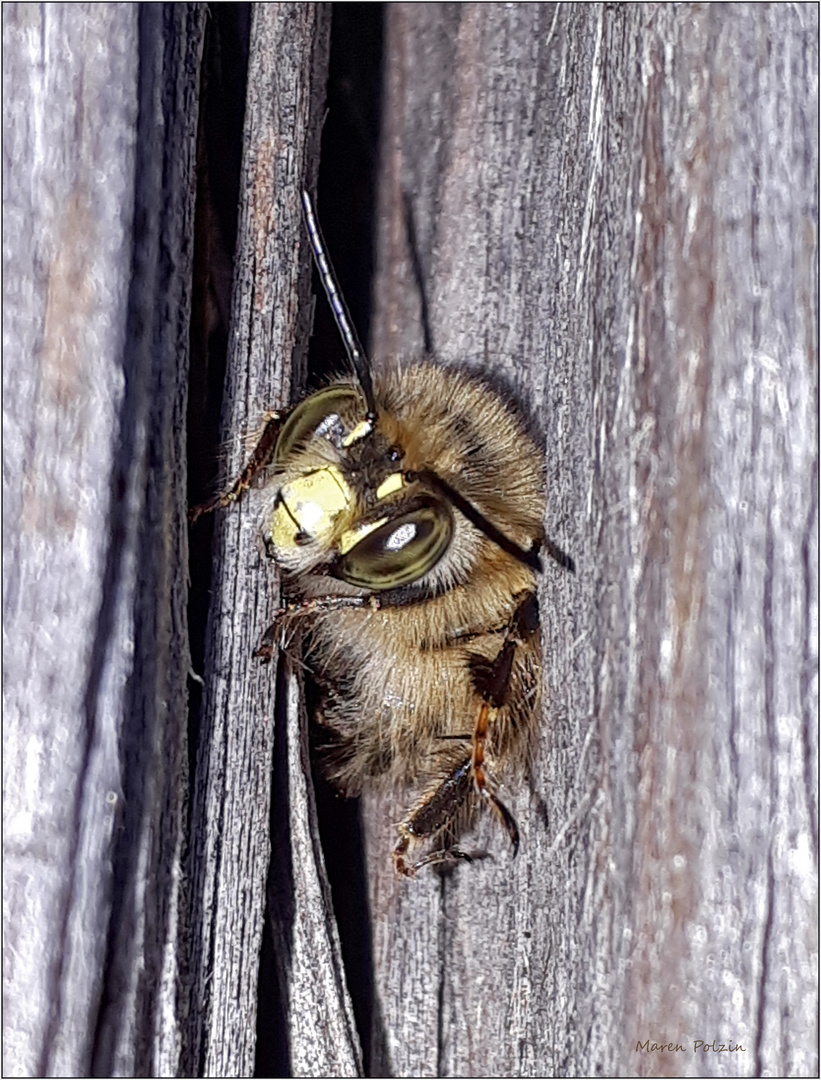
(100, 109)
(616, 209)
(234, 823)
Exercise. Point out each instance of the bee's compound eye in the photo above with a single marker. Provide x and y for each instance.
(327, 413)
(401, 551)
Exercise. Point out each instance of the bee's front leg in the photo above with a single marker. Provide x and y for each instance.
(268, 648)
(260, 459)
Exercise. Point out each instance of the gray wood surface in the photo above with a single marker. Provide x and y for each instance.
(133, 913)
(616, 212)
(235, 829)
(100, 113)
(616, 209)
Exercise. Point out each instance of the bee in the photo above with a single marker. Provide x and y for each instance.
(405, 509)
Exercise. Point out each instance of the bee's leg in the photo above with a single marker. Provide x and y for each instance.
(491, 680)
(439, 807)
(267, 649)
(482, 780)
(430, 817)
(313, 605)
(443, 855)
(260, 459)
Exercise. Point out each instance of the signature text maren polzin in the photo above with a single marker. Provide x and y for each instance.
(698, 1044)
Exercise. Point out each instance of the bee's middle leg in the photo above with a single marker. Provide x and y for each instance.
(482, 780)
(491, 681)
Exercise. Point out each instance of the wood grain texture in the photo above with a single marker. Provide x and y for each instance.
(234, 823)
(100, 110)
(616, 212)
(321, 1034)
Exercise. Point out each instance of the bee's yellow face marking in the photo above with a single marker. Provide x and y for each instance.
(351, 537)
(309, 506)
(365, 427)
(393, 483)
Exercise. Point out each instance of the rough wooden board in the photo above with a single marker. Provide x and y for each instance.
(231, 828)
(616, 209)
(321, 1033)
(622, 203)
(100, 107)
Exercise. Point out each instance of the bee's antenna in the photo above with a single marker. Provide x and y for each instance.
(342, 317)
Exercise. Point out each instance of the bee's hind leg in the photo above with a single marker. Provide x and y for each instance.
(441, 855)
(441, 806)
(434, 812)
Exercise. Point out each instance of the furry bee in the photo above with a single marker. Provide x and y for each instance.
(405, 508)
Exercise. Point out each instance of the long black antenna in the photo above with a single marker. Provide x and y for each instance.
(353, 346)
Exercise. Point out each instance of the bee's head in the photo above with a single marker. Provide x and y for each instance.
(344, 506)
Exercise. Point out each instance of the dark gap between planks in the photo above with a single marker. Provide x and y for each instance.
(346, 198)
